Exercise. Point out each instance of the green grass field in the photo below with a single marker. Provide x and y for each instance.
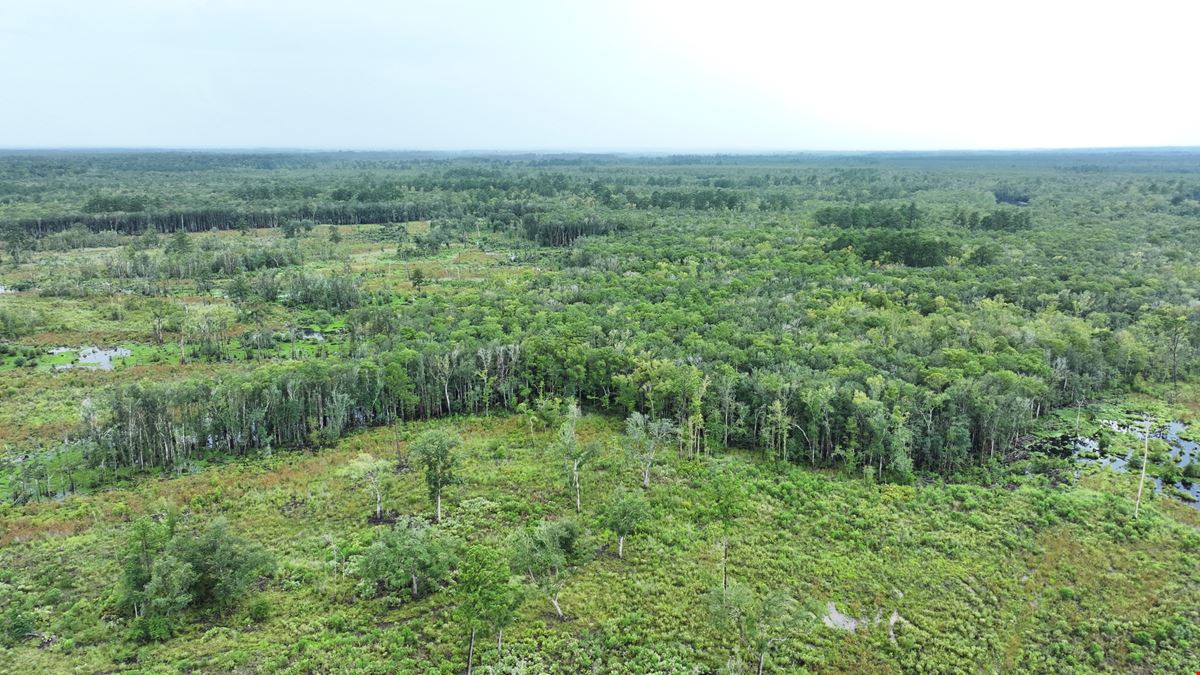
(1023, 578)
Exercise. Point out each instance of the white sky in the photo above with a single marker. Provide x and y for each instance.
(599, 74)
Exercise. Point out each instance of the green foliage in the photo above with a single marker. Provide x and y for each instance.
(486, 600)
(910, 248)
(17, 619)
(876, 215)
(625, 514)
(412, 557)
(259, 610)
(949, 558)
(166, 572)
(104, 203)
(546, 555)
(758, 620)
(576, 454)
(726, 496)
(225, 565)
(899, 327)
(643, 440)
(436, 451)
(417, 278)
(372, 475)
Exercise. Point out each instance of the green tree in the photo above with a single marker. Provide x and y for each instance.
(165, 572)
(436, 450)
(225, 565)
(372, 474)
(776, 428)
(575, 453)
(759, 621)
(547, 555)
(145, 544)
(724, 501)
(162, 313)
(167, 595)
(411, 555)
(179, 244)
(417, 278)
(17, 241)
(643, 439)
(486, 600)
(1169, 324)
(239, 289)
(624, 515)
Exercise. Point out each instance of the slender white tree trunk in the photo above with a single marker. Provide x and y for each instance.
(575, 474)
(621, 546)
(438, 518)
(1137, 507)
(554, 601)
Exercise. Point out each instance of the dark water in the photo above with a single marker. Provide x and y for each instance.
(1182, 451)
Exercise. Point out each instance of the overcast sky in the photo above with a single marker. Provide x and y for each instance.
(599, 74)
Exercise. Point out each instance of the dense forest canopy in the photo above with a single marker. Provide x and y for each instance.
(916, 315)
(904, 319)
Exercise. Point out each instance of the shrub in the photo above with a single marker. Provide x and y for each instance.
(18, 621)
(260, 610)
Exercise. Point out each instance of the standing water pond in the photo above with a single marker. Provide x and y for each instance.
(91, 357)
(1174, 455)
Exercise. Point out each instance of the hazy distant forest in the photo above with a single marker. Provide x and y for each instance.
(372, 412)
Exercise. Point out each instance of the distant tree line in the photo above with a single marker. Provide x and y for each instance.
(1011, 196)
(229, 218)
(874, 215)
(558, 229)
(1002, 219)
(907, 247)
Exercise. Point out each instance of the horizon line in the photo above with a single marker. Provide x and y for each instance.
(644, 152)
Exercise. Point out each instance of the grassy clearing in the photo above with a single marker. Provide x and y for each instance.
(1029, 578)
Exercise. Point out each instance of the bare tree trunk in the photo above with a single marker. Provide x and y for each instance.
(499, 641)
(414, 586)
(378, 504)
(621, 546)
(471, 655)
(646, 476)
(725, 564)
(1142, 481)
(438, 519)
(575, 475)
(554, 601)
(761, 657)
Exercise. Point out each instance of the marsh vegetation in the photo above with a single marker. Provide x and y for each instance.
(380, 412)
